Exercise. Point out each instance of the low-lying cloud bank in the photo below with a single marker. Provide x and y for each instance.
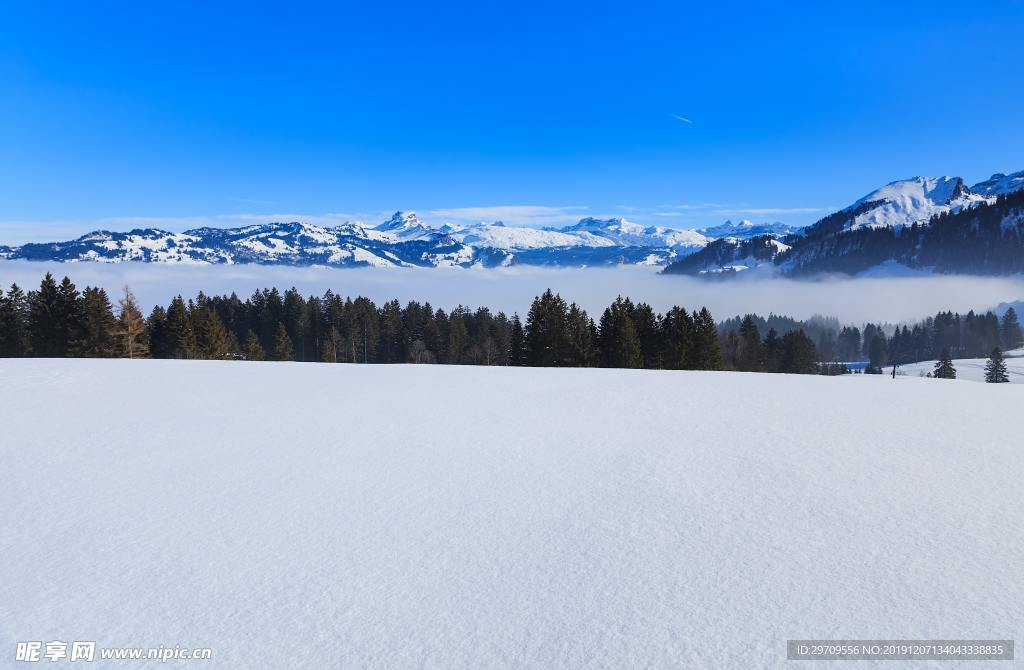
(511, 289)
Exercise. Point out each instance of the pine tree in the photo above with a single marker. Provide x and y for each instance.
(944, 367)
(181, 338)
(798, 354)
(618, 341)
(706, 353)
(252, 348)
(96, 325)
(46, 328)
(547, 341)
(517, 343)
(283, 348)
(677, 338)
(212, 340)
(131, 328)
(877, 351)
(772, 351)
(995, 368)
(458, 337)
(14, 324)
(581, 338)
(159, 335)
(1010, 330)
(70, 317)
(751, 351)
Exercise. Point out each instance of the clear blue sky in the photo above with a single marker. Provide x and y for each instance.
(188, 113)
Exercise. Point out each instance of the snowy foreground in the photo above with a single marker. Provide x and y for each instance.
(324, 516)
(972, 369)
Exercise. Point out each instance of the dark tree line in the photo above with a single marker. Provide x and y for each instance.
(794, 352)
(968, 335)
(58, 320)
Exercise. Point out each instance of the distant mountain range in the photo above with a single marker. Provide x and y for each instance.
(403, 240)
(924, 223)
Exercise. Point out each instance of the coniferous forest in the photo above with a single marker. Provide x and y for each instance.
(59, 320)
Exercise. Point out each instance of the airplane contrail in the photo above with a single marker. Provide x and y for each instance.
(684, 120)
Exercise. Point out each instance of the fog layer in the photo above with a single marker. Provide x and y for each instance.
(853, 300)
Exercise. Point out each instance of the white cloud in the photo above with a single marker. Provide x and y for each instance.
(757, 211)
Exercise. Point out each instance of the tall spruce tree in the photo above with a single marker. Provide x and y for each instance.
(677, 338)
(582, 334)
(944, 368)
(181, 337)
(798, 354)
(96, 325)
(751, 351)
(284, 350)
(772, 351)
(995, 368)
(131, 332)
(252, 348)
(159, 335)
(212, 339)
(517, 343)
(1010, 330)
(45, 322)
(618, 340)
(70, 317)
(14, 324)
(706, 353)
(547, 339)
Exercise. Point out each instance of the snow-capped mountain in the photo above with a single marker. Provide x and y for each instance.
(730, 255)
(908, 201)
(402, 240)
(865, 234)
(350, 244)
(926, 223)
(1000, 184)
(746, 229)
(405, 226)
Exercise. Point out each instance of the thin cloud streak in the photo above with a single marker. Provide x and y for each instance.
(770, 210)
(681, 118)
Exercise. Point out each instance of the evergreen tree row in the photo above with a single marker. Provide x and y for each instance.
(58, 320)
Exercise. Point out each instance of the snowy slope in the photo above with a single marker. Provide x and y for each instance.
(745, 229)
(558, 519)
(1000, 184)
(973, 369)
(907, 201)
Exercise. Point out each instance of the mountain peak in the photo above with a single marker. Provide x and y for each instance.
(745, 229)
(401, 221)
(999, 184)
(907, 201)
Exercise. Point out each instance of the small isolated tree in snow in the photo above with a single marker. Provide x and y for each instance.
(995, 368)
(944, 368)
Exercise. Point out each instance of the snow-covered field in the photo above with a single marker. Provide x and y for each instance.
(972, 369)
(320, 516)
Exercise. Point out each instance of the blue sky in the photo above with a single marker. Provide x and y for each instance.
(180, 114)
